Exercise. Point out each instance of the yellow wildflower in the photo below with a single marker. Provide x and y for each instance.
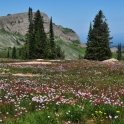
(117, 112)
(100, 112)
(96, 111)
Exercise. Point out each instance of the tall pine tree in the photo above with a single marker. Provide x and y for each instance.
(52, 42)
(99, 39)
(27, 50)
(30, 36)
(55, 50)
(88, 52)
(14, 53)
(40, 38)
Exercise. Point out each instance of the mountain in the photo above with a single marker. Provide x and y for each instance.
(14, 27)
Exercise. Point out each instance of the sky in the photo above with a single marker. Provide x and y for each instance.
(74, 14)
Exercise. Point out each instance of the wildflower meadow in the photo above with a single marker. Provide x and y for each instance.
(63, 92)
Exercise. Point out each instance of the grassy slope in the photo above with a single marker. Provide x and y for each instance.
(72, 50)
(8, 41)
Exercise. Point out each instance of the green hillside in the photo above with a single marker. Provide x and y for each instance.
(73, 49)
(8, 41)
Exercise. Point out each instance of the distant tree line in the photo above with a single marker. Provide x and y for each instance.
(37, 44)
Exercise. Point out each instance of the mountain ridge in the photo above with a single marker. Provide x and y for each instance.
(18, 23)
(13, 28)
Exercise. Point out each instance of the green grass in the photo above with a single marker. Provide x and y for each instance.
(81, 50)
(76, 42)
(114, 55)
(9, 39)
(3, 53)
(72, 51)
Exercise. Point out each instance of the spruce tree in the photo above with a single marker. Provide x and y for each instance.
(24, 52)
(27, 50)
(30, 36)
(99, 44)
(40, 38)
(14, 53)
(88, 52)
(52, 42)
(119, 53)
(30, 15)
(19, 52)
(59, 53)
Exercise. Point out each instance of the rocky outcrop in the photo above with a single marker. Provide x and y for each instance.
(18, 23)
(111, 60)
(114, 49)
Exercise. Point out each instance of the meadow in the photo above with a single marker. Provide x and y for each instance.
(63, 92)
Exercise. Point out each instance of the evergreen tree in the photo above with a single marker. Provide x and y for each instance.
(119, 54)
(30, 15)
(40, 38)
(19, 53)
(52, 42)
(59, 53)
(98, 46)
(27, 50)
(14, 53)
(37, 44)
(24, 52)
(36, 39)
(88, 52)
(30, 36)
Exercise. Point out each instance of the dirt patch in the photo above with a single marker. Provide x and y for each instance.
(30, 63)
(27, 63)
(55, 60)
(90, 122)
(26, 75)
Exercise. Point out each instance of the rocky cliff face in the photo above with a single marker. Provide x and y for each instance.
(18, 23)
